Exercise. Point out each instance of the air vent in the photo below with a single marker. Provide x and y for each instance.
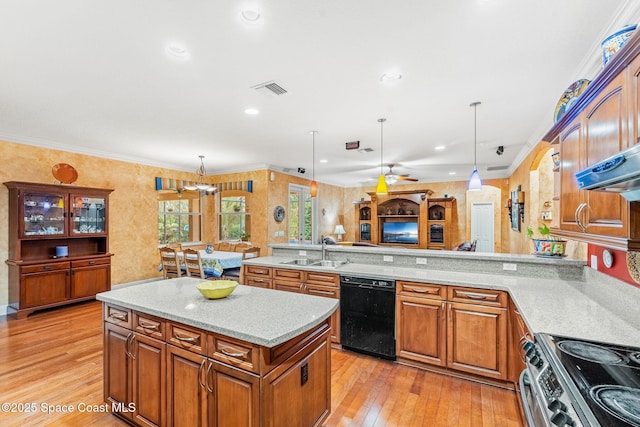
(271, 86)
(497, 168)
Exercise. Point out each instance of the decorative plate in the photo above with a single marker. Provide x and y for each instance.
(569, 97)
(278, 213)
(615, 41)
(607, 258)
(64, 173)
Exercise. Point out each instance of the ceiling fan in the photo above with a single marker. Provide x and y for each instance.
(391, 178)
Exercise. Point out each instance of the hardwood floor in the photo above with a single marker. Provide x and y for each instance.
(53, 360)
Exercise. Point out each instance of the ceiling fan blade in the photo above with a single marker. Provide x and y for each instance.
(406, 178)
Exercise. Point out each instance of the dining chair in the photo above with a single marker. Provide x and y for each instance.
(193, 263)
(170, 263)
(224, 246)
(234, 273)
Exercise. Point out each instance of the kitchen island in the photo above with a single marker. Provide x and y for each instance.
(255, 358)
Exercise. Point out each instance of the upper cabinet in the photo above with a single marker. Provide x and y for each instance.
(602, 123)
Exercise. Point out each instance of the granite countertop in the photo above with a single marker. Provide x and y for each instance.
(260, 316)
(594, 309)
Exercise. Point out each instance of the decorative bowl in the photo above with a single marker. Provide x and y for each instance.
(544, 247)
(615, 41)
(217, 289)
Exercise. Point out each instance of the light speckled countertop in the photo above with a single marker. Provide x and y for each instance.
(259, 316)
(598, 308)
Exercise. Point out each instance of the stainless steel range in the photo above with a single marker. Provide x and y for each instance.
(574, 382)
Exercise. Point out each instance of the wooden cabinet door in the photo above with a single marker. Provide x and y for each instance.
(148, 377)
(328, 292)
(87, 281)
(421, 330)
(236, 397)
(571, 157)
(605, 134)
(40, 289)
(187, 393)
(117, 366)
(301, 395)
(477, 339)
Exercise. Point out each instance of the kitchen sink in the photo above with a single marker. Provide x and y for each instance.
(301, 261)
(328, 263)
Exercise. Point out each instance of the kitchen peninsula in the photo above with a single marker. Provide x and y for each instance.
(254, 358)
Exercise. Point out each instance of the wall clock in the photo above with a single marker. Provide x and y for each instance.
(278, 213)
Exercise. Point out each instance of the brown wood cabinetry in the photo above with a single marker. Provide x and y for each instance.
(363, 222)
(58, 245)
(603, 122)
(441, 223)
(519, 335)
(134, 375)
(460, 328)
(160, 372)
(257, 276)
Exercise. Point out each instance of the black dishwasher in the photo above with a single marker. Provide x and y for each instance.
(368, 316)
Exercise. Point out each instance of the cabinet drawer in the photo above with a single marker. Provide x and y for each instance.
(186, 337)
(43, 268)
(257, 270)
(426, 290)
(260, 282)
(285, 273)
(90, 262)
(234, 352)
(287, 285)
(117, 315)
(326, 279)
(478, 296)
(149, 325)
(323, 291)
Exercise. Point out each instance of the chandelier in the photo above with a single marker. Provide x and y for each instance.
(201, 185)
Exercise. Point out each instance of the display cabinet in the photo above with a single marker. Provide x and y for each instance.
(363, 221)
(441, 223)
(58, 245)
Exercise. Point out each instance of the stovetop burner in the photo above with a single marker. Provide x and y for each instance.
(621, 402)
(591, 352)
(635, 358)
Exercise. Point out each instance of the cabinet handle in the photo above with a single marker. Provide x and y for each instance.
(147, 326)
(208, 377)
(321, 292)
(478, 297)
(578, 214)
(423, 291)
(258, 280)
(200, 370)
(128, 350)
(186, 339)
(46, 267)
(226, 353)
(118, 316)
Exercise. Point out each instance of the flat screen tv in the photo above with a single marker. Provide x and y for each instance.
(400, 232)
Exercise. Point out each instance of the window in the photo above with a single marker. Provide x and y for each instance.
(235, 221)
(179, 217)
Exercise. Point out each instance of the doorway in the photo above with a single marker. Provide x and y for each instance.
(301, 215)
(482, 226)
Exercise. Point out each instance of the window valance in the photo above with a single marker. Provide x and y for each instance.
(176, 184)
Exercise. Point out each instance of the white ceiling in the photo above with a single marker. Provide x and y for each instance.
(93, 77)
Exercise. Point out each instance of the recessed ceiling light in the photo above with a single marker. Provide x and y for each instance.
(252, 111)
(439, 147)
(177, 51)
(390, 77)
(324, 161)
(452, 173)
(251, 16)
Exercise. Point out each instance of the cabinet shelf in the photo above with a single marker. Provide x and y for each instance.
(398, 216)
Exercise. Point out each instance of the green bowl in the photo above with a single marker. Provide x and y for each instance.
(217, 289)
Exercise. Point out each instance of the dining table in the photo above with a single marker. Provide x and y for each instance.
(215, 262)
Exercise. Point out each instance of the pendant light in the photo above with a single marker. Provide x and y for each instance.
(381, 188)
(313, 187)
(475, 183)
(201, 185)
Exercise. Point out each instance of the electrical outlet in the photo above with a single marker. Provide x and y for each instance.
(422, 261)
(302, 253)
(387, 258)
(594, 262)
(509, 267)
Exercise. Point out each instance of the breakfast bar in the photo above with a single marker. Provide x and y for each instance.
(174, 357)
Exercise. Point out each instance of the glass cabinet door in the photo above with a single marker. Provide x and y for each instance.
(88, 215)
(43, 214)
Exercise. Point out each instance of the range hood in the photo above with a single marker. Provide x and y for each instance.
(619, 173)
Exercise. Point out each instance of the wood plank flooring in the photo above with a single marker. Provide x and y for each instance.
(53, 360)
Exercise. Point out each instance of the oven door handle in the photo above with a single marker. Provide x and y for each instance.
(524, 385)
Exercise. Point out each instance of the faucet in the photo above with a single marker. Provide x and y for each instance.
(324, 247)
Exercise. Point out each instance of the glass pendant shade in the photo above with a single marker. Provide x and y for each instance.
(475, 183)
(381, 188)
(313, 188)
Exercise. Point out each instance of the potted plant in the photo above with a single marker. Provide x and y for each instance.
(245, 237)
(547, 245)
